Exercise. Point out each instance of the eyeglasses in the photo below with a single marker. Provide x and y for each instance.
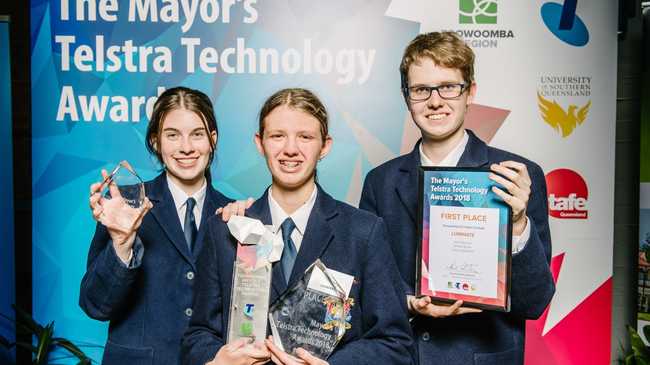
(446, 91)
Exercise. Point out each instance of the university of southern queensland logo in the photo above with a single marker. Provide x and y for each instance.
(564, 121)
(484, 14)
(564, 23)
(567, 194)
(572, 109)
(477, 12)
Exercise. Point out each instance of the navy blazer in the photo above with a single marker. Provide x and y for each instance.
(148, 305)
(346, 239)
(390, 191)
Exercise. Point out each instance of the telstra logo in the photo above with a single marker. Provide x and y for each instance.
(248, 310)
(562, 21)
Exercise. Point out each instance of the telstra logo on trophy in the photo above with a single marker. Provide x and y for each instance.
(248, 310)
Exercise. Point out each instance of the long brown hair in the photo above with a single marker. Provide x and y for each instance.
(181, 98)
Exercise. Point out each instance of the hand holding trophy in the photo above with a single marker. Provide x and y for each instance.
(119, 203)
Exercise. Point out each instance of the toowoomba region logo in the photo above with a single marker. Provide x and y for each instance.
(573, 92)
(481, 13)
(567, 194)
(477, 12)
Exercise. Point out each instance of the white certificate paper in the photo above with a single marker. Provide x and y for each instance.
(463, 250)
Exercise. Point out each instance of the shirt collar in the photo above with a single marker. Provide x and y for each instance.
(180, 197)
(452, 157)
(299, 217)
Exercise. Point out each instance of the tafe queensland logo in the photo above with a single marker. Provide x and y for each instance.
(567, 194)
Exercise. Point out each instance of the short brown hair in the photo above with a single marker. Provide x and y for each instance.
(180, 98)
(299, 99)
(446, 49)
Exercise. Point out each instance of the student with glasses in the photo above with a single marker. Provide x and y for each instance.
(437, 72)
(293, 137)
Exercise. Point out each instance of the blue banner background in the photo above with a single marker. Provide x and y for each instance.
(68, 155)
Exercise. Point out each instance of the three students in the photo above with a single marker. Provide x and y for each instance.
(141, 276)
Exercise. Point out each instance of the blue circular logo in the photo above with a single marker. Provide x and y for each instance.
(575, 35)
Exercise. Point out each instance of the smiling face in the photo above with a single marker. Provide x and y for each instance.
(438, 119)
(292, 144)
(185, 148)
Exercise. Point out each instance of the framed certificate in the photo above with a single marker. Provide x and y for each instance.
(465, 238)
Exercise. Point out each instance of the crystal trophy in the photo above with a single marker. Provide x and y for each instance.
(128, 183)
(249, 301)
(257, 248)
(311, 319)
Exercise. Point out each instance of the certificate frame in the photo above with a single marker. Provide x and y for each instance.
(471, 192)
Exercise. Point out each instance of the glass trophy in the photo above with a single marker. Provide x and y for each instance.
(249, 301)
(311, 319)
(128, 183)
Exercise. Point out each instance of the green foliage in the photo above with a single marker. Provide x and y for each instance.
(44, 342)
(639, 353)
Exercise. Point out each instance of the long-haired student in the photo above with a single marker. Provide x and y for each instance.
(142, 262)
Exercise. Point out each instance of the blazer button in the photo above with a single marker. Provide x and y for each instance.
(189, 275)
(426, 336)
(188, 312)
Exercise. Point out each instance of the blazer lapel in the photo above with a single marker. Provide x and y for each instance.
(164, 211)
(407, 188)
(318, 235)
(209, 207)
(475, 154)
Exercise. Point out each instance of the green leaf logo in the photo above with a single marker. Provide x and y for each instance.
(246, 329)
(477, 11)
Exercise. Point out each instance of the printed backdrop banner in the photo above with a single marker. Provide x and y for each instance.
(98, 66)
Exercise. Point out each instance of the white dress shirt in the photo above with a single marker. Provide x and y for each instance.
(451, 160)
(299, 217)
(180, 201)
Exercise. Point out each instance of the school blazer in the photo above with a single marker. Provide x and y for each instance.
(390, 191)
(345, 239)
(149, 305)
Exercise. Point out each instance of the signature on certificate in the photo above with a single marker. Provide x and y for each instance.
(464, 267)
